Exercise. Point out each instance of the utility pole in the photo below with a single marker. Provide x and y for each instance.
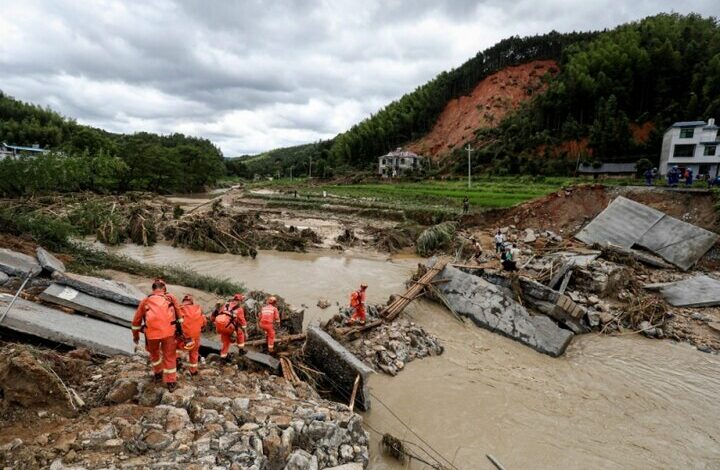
(310, 169)
(291, 169)
(469, 151)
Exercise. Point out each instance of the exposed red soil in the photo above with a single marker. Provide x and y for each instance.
(491, 100)
(566, 211)
(641, 132)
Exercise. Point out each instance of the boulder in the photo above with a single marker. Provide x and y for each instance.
(48, 261)
(122, 391)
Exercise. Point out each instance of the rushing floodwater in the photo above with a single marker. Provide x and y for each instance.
(610, 402)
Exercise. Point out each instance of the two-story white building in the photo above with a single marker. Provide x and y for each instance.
(691, 144)
(399, 163)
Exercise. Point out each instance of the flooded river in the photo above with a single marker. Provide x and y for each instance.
(610, 402)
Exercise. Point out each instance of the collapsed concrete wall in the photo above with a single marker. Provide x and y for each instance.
(17, 264)
(493, 307)
(339, 365)
(115, 291)
(72, 330)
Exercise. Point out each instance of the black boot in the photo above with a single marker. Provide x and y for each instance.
(157, 377)
(171, 386)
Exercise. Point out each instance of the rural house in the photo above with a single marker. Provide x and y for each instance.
(15, 150)
(608, 170)
(399, 163)
(691, 144)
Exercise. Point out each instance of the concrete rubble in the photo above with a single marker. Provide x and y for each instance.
(391, 346)
(72, 330)
(697, 291)
(339, 365)
(627, 223)
(17, 264)
(224, 418)
(48, 261)
(109, 311)
(115, 291)
(494, 308)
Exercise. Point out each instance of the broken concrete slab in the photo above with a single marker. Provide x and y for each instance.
(102, 309)
(17, 264)
(697, 291)
(116, 291)
(492, 307)
(626, 223)
(622, 223)
(3, 278)
(678, 242)
(339, 365)
(264, 360)
(48, 261)
(72, 330)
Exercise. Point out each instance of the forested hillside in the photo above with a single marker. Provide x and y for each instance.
(615, 93)
(646, 74)
(86, 158)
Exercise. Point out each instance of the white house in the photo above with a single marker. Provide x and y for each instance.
(15, 150)
(691, 144)
(399, 163)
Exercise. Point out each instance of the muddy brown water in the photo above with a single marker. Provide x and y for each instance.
(610, 402)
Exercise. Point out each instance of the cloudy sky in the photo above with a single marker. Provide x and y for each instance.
(255, 75)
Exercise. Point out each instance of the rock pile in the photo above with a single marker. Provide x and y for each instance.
(392, 345)
(224, 419)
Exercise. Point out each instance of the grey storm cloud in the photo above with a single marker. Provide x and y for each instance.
(254, 75)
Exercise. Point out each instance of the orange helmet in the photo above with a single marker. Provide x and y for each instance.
(188, 298)
(272, 300)
(239, 297)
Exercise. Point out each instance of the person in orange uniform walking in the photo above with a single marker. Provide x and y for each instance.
(229, 319)
(159, 316)
(268, 319)
(357, 302)
(193, 323)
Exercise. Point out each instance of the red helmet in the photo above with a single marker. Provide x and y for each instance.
(239, 297)
(272, 300)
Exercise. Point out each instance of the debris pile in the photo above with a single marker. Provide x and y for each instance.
(608, 285)
(224, 417)
(240, 234)
(390, 346)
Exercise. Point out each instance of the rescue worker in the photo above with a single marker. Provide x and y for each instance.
(357, 302)
(193, 323)
(230, 319)
(466, 205)
(159, 317)
(268, 319)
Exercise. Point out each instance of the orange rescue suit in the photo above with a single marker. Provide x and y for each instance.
(230, 319)
(159, 312)
(193, 323)
(268, 316)
(357, 302)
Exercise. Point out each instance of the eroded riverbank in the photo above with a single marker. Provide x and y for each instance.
(610, 402)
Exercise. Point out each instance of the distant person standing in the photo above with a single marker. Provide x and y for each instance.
(688, 177)
(466, 205)
(648, 177)
(499, 242)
